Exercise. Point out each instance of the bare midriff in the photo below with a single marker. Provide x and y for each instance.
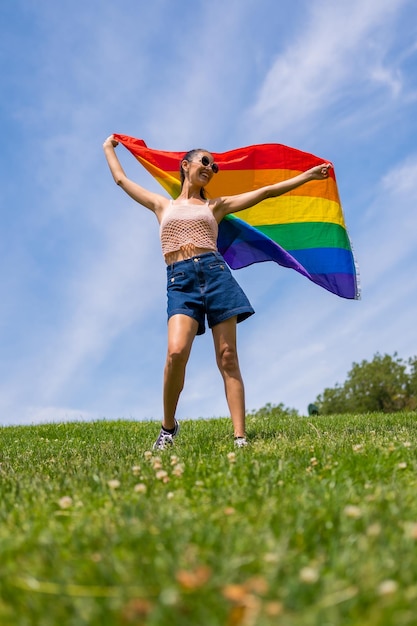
(185, 252)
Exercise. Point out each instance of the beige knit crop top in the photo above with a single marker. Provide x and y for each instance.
(188, 224)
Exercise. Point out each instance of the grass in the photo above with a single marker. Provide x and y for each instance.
(314, 524)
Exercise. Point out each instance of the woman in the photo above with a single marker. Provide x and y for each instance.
(199, 283)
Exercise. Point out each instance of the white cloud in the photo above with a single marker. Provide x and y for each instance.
(342, 47)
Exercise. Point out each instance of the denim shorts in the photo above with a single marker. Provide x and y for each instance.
(204, 285)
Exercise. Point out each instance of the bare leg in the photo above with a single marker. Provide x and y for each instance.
(182, 330)
(224, 337)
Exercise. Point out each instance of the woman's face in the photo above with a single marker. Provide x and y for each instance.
(201, 168)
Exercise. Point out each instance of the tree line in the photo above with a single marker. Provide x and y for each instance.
(385, 384)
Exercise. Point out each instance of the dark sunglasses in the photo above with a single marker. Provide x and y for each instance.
(206, 162)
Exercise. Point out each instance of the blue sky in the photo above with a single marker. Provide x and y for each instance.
(82, 316)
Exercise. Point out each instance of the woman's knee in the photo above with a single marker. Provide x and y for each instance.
(227, 359)
(177, 354)
(181, 332)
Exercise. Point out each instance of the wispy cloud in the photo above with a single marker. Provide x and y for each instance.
(340, 53)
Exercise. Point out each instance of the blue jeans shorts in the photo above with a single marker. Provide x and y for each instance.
(204, 285)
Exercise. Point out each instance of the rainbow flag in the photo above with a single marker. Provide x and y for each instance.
(303, 229)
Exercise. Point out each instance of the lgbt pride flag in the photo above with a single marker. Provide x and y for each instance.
(303, 229)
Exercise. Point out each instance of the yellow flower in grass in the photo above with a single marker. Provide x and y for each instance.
(114, 483)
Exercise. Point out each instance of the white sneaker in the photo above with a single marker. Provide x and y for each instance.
(166, 439)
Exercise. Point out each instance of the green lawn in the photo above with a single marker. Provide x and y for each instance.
(315, 523)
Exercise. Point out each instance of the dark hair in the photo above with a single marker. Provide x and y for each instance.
(189, 157)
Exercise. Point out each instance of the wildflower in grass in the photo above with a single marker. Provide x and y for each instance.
(136, 469)
(309, 575)
(174, 459)
(147, 455)
(178, 470)
(199, 483)
(407, 444)
(274, 608)
(231, 457)
(357, 447)
(387, 587)
(313, 461)
(114, 483)
(235, 593)
(410, 530)
(374, 530)
(257, 584)
(65, 502)
(246, 604)
(136, 610)
(156, 463)
(194, 579)
(352, 511)
(245, 612)
(162, 475)
(170, 495)
(140, 488)
(229, 510)
(402, 465)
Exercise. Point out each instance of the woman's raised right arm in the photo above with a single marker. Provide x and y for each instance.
(148, 199)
